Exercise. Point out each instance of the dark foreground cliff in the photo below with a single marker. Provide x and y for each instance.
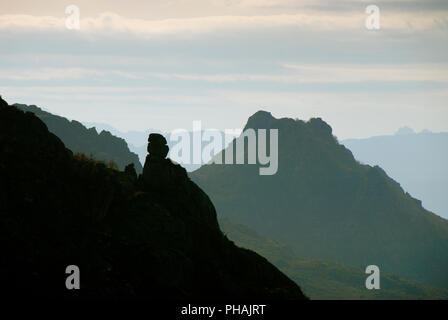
(128, 239)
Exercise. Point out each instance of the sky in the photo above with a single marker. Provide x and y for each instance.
(166, 63)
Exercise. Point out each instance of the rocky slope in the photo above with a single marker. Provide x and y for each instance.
(417, 160)
(101, 146)
(321, 279)
(128, 238)
(326, 205)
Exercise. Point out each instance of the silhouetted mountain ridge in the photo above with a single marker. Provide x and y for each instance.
(128, 240)
(326, 205)
(101, 146)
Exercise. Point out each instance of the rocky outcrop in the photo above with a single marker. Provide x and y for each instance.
(160, 173)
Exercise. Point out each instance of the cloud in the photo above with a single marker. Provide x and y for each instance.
(292, 73)
(111, 23)
(21, 22)
(370, 72)
(221, 61)
(45, 74)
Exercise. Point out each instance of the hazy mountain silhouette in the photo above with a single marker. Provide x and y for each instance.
(321, 279)
(418, 161)
(100, 146)
(326, 205)
(133, 137)
(155, 236)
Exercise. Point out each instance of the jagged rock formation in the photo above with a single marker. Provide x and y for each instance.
(128, 241)
(101, 146)
(157, 146)
(160, 173)
(326, 205)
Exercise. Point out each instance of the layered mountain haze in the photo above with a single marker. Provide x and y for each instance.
(326, 205)
(135, 138)
(318, 219)
(416, 160)
(153, 236)
(101, 146)
(227, 155)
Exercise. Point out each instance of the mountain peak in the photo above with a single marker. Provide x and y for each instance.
(3, 103)
(260, 119)
(262, 114)
(404, 130)
(265, 119)
(320, 126)
(321, 201)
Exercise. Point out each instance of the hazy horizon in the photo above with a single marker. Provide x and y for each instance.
(164, 64)
(110, 127)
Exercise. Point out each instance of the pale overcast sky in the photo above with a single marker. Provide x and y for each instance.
(164, 63)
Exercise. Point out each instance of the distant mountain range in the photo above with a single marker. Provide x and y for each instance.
(133, 137)
(415, 160)
(326, 205)
(418, 161)
(101, 146)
